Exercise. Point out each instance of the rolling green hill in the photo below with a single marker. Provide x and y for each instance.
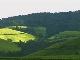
(14, 35)
(67, 50)
(58, 48)
(69, 47)
(8, 46)
(65, 35)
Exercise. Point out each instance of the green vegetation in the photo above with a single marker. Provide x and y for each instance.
(8, 46)
(68, 47)
(53, 22)
(40, 30)
(66, 35)
(56, 57)
(9, 31)
(15, 35)
(12, 27)
(46, 35)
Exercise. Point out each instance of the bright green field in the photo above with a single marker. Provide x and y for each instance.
(14, 35)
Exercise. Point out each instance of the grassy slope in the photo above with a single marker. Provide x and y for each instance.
(65, 35)
(15, 35)
(69, 47)
(6, 46)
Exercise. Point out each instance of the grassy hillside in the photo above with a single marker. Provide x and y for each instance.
(8, 46)
(65, 35)
(69, 47)
(14, 35)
